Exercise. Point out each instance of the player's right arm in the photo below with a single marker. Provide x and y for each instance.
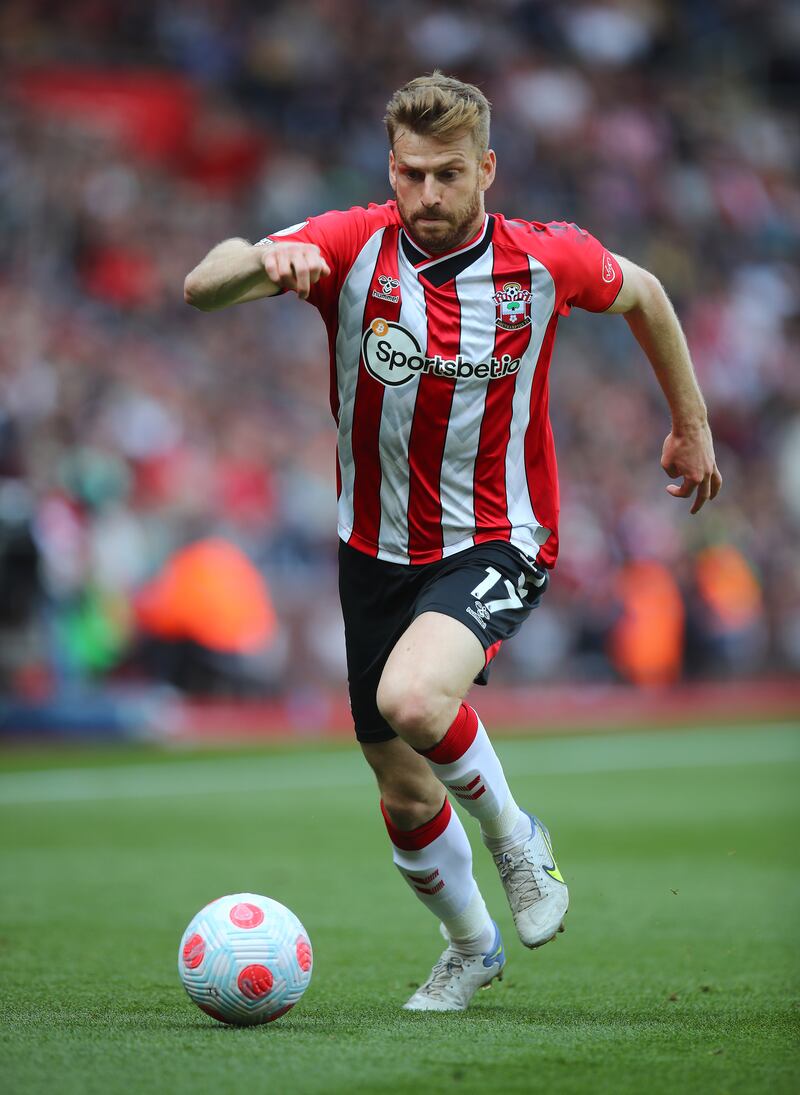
(236, 271)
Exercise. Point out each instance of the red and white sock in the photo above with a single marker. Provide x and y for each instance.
(466, 763)
(436, 861)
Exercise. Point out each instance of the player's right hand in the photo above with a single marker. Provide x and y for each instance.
(689, 453)
(295, 266)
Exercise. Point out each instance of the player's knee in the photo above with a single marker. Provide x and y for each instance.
(409, 807)
(412, 710)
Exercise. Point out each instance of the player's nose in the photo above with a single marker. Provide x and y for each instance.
(430, 192)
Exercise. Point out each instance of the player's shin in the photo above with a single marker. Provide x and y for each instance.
(436, 861)
(466, 763)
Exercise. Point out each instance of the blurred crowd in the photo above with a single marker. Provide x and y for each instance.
(134, 135)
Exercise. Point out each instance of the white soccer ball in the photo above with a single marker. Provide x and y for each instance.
(245, 959)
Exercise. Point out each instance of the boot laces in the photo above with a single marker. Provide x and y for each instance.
(518, 875)
(449, 966)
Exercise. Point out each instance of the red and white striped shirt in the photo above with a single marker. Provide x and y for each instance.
(439, 377)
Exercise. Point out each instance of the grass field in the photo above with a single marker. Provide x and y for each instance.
(678, 971)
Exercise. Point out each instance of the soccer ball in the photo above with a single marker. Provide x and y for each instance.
(245, 959)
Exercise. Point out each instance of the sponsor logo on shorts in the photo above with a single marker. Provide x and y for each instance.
(480, 613)
(394, 356)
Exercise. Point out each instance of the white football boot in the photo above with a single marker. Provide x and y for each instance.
(456, 978)
(534, 886)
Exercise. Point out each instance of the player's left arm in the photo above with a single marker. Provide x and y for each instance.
(688, 451)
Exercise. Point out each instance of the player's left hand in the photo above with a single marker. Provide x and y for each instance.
(689, 453)
(294, 265)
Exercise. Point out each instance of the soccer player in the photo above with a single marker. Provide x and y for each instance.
(441, 320)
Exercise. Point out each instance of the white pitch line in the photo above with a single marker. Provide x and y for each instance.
(297, 772)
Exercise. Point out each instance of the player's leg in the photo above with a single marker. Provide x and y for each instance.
(427, 837)
(430, 847)
(433, 854)
(421, 695)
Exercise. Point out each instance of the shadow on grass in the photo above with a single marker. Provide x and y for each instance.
(375, 1018)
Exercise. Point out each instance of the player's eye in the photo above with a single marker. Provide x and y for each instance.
(447, 176)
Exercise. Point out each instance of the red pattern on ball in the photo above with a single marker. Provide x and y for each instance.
(194, 950)
(254, 981)
(246, 915)
(214, 1014)
(303, 948)
(279, 1013)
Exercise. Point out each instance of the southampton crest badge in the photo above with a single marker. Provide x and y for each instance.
(513, 306)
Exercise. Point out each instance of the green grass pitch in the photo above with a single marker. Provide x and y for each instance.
(678, 971)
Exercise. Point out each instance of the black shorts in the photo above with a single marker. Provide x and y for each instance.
(491, 589)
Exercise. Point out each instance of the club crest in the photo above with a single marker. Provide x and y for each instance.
(513, 306)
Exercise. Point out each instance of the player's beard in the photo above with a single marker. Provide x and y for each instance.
(461, 225)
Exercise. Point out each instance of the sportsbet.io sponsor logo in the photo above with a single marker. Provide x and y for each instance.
(393, 356)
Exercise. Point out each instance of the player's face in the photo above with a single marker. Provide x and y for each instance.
(439, 188)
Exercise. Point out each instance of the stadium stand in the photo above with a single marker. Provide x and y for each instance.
(134, 135)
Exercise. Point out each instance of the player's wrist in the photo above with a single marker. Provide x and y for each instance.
(259, 250)
(689, 421)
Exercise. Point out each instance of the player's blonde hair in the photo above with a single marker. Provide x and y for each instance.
(439, 106)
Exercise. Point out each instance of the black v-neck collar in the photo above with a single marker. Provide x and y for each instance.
(439, 269)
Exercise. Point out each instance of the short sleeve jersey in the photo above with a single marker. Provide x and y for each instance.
(439, 377)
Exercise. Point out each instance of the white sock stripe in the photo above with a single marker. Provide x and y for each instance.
(440, 874)
(431, 891)
(423, 881)
(469, 798)
(463, 786)
(423, 884)
(476, 779)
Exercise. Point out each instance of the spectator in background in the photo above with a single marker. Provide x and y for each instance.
(728, 612)
(646, 642)
(667, 127)
(208, 622)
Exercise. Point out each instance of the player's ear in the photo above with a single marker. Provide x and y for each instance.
(487, 169)
(392, 170)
